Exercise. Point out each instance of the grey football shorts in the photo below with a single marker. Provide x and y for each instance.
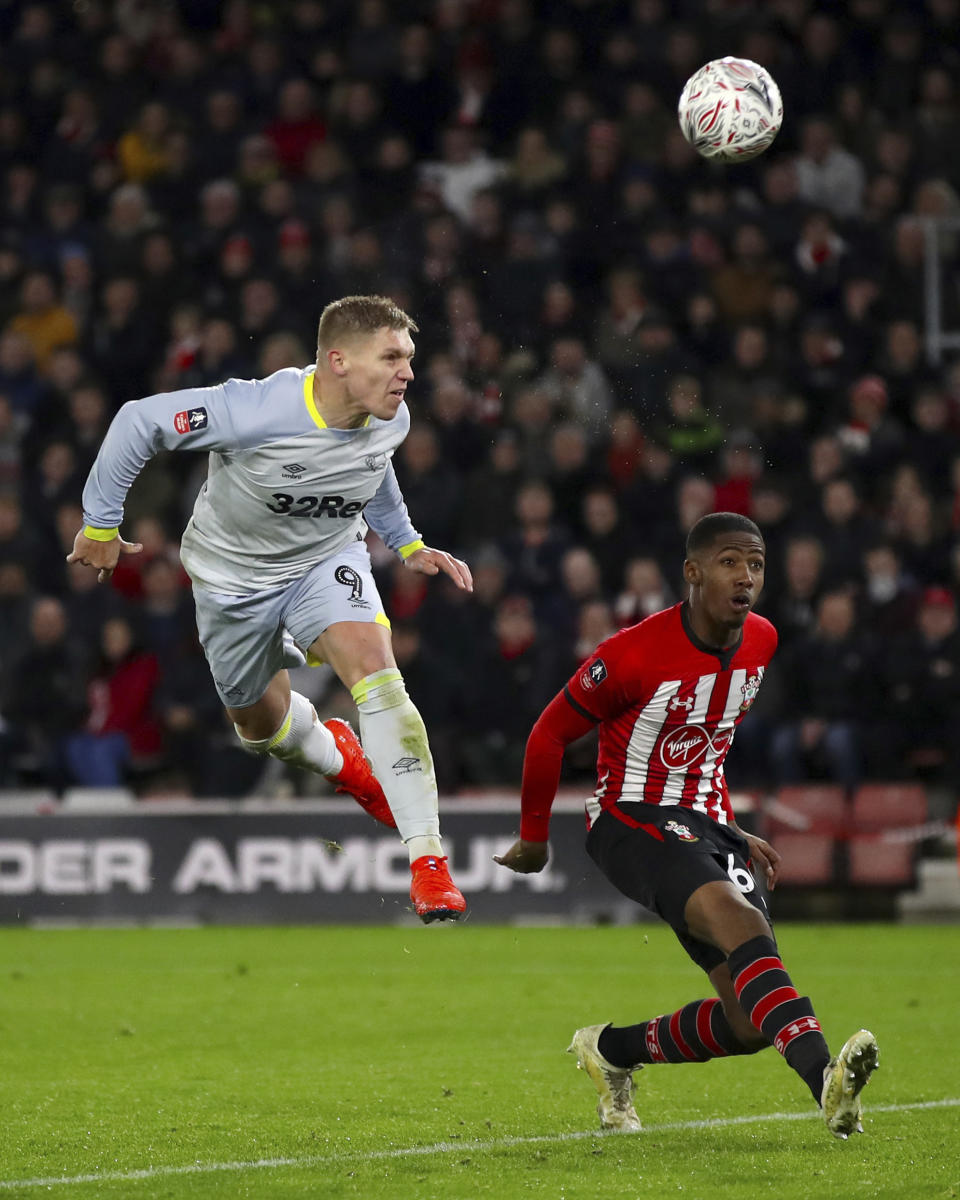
(242, 635)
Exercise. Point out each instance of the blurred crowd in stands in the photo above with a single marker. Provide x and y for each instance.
(616, 337)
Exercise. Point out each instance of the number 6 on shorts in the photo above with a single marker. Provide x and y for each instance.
(739, 876)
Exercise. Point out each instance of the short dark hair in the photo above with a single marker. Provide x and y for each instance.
(706, 531)
(354, 315)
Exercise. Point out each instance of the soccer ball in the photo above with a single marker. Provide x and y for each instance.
(730, 110)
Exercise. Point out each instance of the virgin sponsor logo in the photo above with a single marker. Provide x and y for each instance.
(688, 744)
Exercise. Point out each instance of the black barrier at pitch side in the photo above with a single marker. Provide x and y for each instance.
(307, 862)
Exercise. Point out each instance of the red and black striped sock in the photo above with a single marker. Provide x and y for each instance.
(785, 1018)
(695, 1033)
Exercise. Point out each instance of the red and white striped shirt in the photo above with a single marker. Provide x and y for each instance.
(667, 706)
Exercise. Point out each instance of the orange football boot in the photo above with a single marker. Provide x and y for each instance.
(356, 776)
(434, 894)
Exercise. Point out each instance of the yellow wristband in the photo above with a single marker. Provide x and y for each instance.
(100, 535)
(410, 548)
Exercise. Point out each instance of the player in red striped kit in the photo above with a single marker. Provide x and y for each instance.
(667, 696)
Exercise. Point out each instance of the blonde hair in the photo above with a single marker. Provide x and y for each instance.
(357, 315)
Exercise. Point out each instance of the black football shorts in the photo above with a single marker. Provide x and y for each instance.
(659, 856)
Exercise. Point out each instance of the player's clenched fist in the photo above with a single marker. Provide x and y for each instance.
(526, 858)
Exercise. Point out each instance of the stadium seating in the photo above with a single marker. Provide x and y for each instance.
(825, 840)
(881, 806)
(882, 851)
(805, 822)
(808, 808)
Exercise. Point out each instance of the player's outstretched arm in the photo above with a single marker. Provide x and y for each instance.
(102, 555)
(557, 726)
(387, 515)
(190, 419)
(431, 562)
(526, 858)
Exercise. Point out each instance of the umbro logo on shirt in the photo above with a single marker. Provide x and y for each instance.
(293, 470)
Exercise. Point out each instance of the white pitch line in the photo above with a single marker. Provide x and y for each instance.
(474, 1146)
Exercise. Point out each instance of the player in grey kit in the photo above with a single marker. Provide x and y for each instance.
(300, 466)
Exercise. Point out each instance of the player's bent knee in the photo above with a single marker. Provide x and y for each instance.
(254, 726)
(718, 913)
(259, 721)
(266, 733)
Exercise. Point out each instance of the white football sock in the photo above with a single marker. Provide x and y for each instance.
(302, 740)
(395, 740)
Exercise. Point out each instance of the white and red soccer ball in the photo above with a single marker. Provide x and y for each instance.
(730, 110)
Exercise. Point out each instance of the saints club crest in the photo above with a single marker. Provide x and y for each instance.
(682, 832)
(750, 689)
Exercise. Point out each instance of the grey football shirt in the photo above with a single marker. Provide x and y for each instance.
(283, 491)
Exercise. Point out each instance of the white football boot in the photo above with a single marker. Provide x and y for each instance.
(844, 1078)
(614, 1085)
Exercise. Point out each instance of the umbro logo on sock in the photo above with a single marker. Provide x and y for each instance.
(403, 766)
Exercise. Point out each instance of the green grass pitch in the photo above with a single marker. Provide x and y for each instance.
(412, 1062)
